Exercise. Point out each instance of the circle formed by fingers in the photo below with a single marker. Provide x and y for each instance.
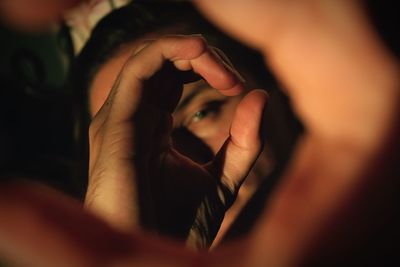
(185, 53)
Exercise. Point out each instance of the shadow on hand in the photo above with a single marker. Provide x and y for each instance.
(191, 146)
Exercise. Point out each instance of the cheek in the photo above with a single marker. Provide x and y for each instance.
(217, 140)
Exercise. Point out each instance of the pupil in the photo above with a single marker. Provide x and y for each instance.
(199, 115)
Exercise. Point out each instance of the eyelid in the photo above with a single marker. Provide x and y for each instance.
(213, 106)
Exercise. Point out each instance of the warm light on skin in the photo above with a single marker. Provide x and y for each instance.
(212, 130)
(343, 83)
(208, 116)
(34, 15)
(104, 80)
(335, 205)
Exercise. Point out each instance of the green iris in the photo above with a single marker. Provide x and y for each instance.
(199, 115)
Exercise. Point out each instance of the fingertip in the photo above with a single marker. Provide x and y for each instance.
(248, 118)
(261, 93)
(256, 98)
(236, 89)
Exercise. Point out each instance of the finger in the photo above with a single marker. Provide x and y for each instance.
(43, 228)
(40, 227)
(96, 129)
(225, 60)
(186, 53)
(116, 196)
(34, 15)
(237, 156)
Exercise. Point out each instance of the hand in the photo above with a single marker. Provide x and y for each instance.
(40, 227)
(309, 42)
(344, 86)
(134, 171)
(34, 15)
(296, 225)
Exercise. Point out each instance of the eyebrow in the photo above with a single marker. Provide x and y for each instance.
(198, 89)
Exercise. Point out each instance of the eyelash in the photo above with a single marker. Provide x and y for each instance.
(212, 107)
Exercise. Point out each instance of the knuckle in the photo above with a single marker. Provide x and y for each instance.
(188, 46)
(199, 43)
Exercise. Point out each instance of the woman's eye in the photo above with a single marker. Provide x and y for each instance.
(212, 108)
(199, 115)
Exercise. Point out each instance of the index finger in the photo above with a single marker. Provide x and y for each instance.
(186, 53)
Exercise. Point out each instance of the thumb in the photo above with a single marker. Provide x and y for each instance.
(240, 151)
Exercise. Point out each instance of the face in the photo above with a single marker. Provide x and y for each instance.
(202, 118)
(203, 114)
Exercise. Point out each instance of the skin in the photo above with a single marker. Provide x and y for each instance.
(31, 16)
(202, 111)
(344, 163)
(348, 121)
